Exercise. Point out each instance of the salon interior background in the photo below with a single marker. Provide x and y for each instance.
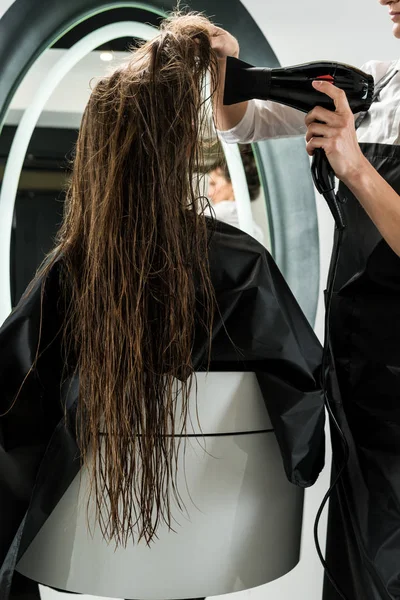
(298, 31)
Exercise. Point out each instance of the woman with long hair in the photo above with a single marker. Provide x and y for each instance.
(140, 292)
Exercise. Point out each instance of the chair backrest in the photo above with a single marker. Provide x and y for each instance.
(242, 523)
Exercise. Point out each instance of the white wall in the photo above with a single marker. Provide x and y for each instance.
(303, 30)
(300, 31)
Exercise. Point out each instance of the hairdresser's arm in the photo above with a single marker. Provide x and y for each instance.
(225, 45)
(337, 136)
(249, 121)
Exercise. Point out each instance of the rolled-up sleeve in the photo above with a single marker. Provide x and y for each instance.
(265, 120)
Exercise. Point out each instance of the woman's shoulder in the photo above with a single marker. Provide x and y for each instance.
(39, 303)
(234, 255)
(226, 237)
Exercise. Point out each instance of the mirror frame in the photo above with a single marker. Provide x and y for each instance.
(24, 39)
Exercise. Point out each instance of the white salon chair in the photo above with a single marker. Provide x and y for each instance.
(242, 528)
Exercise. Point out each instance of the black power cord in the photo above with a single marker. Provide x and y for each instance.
(325, 368)
(324, 180)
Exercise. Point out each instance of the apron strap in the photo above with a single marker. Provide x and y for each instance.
(386, 79)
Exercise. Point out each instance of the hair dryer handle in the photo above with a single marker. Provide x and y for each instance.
(322, 172)
(324, 180)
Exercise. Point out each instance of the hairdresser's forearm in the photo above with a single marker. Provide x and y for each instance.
(226, 117)
(379, 200)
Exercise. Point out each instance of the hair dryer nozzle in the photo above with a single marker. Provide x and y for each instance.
(244, 82)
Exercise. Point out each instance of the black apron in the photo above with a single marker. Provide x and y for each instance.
(363, 545)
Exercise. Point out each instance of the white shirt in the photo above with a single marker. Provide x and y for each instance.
(265, 119)
(226, 211)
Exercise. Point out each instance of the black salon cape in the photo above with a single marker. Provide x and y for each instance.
(271, 336)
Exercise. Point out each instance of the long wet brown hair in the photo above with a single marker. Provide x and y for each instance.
(134, 258)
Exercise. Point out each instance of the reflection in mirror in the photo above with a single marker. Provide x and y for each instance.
(44, 177)
(225, 197)
(39, 201)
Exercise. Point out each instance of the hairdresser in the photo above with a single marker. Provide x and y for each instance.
(363, 547)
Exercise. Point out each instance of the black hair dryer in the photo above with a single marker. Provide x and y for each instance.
(293, 86)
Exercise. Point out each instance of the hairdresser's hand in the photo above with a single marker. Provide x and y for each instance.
(335, 133)
(224, 43)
